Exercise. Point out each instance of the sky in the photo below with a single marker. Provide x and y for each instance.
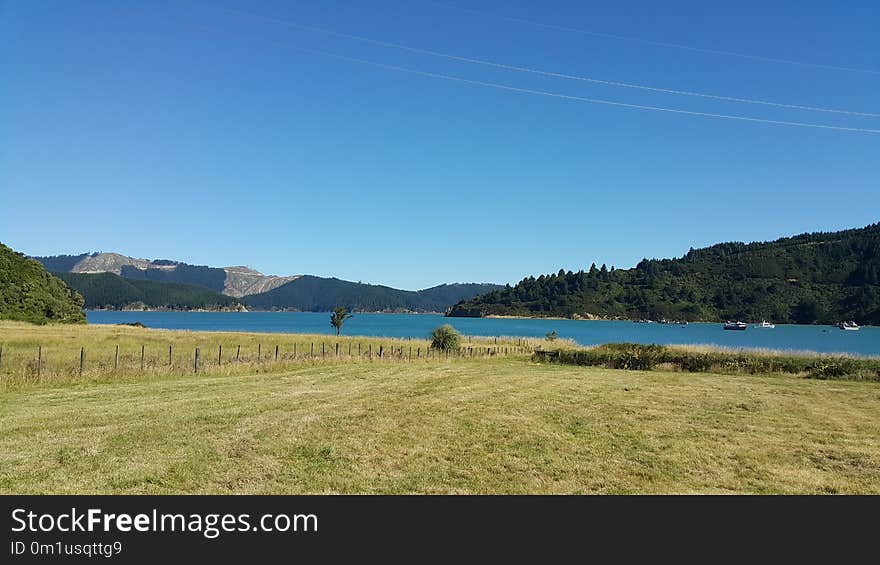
(353, 139)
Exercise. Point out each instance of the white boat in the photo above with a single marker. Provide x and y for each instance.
(741, 326)
(848, 326)
(765, 325)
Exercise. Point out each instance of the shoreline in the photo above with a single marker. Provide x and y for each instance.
(539, 341)
(248, 311)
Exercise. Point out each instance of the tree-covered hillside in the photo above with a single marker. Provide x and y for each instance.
(30, 294)
(211, 278)
(106, 290)
(62, 263)
(809, 278)
(317, 294)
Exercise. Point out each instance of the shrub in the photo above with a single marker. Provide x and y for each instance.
(833, 368)
(551, 336)
(696, 362)
(445, 338)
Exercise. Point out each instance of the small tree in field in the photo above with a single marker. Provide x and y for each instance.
(339, 316)
(551, 336)
(445, 338)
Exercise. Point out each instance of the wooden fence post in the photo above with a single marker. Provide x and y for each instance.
(142, 358)
(311, 349)
(196, 361)
(116, 358)
(323, 350)
(169, 355)
(380, 351)
(359, 349)
(276, 353)
(82, 359)
(220, 355)
(259, 353)
(294, 350)
(371, 351)
(238, 353)
(337, 349)
(39, 361)
(349, 349)
(1, 356)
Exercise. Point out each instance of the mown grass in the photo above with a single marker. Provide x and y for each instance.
(471, 425)
(33, 355)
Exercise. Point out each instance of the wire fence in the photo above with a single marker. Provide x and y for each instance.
(41, 363)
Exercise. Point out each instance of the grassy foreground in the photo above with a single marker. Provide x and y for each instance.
(467, 425)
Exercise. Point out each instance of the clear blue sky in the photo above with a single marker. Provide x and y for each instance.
(192, 131)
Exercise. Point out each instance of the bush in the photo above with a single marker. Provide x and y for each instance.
(696, 362)
(445, 338)
(641, 357)
(833, 369)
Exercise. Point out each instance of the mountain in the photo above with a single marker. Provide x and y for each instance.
(242, 281)
(29, 293)
(814, 277)
(316, 294)
(256, 290)
(231, 281)
(107, 290)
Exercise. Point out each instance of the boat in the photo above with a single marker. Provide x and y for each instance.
(740, 326)
(849, 326)
(765, 325)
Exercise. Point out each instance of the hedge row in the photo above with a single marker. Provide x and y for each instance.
(638, 357)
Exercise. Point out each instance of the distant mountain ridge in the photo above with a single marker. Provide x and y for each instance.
(252, 288)
(823, 277)
(110, 291)
(310, 293)
(231, 281)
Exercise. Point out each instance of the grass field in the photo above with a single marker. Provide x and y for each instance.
(498, 424)
(32, 355)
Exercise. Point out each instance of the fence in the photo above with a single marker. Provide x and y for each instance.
(20, 361)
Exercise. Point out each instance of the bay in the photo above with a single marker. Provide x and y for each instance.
(826, 339)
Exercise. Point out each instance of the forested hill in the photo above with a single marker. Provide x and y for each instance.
(107, 290)
(809, 278)
(318, 294)
(29, 293)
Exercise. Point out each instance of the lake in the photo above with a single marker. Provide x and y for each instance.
(792, 337)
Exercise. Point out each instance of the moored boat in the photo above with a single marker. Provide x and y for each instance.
(765, 325)
(739, 326)
(848, 326)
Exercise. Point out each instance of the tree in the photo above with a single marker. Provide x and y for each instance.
(445, 338)
(339, 316)
(551, 336)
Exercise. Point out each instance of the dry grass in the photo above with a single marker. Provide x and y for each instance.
(712, 348)
(482, 425)
(44, 355)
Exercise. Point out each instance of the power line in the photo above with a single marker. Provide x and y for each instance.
(555, 74)
(581, 98)
(558, 95)
(657, 43)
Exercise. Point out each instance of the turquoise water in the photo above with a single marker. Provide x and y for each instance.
(792, 337)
